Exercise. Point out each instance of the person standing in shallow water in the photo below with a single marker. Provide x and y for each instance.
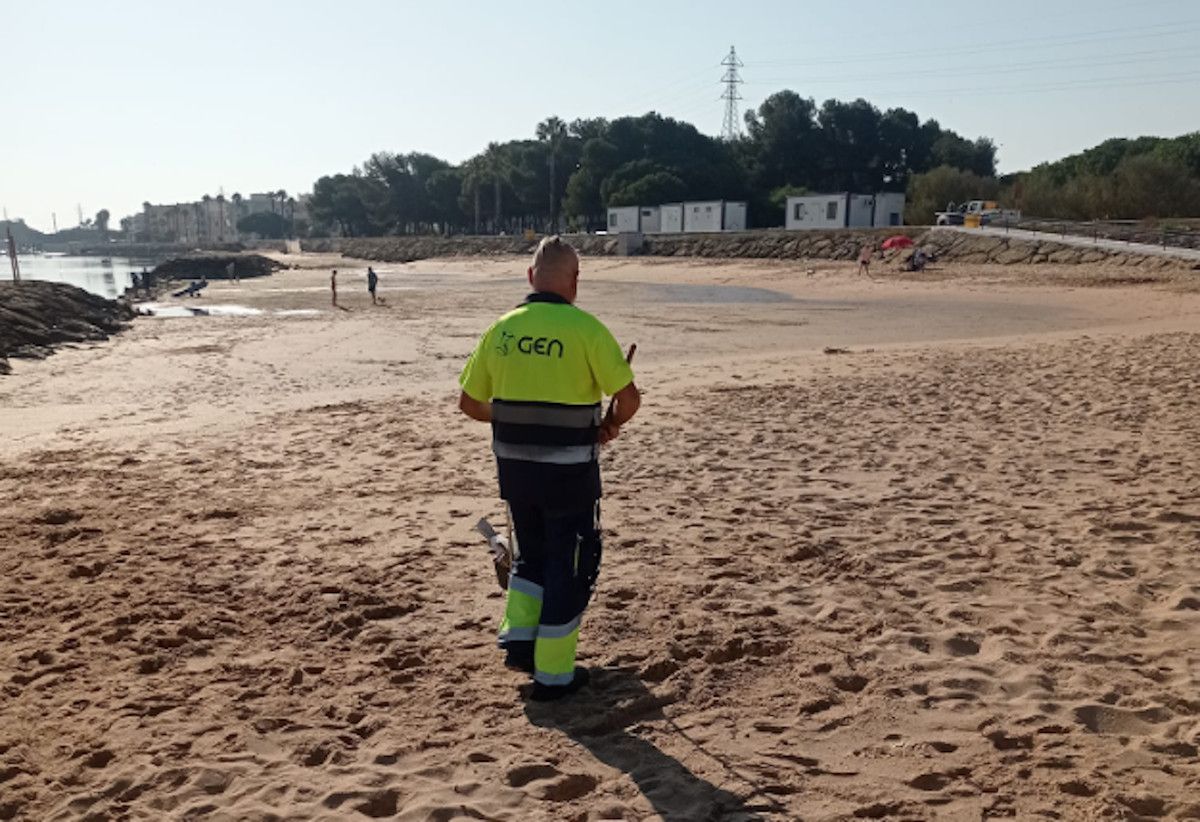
(372, 282)
(538, 375)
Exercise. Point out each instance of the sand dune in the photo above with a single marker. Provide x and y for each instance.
(950, 575)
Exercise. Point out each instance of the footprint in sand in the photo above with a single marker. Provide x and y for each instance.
(1103, 719)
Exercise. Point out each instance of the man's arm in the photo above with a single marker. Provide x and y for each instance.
(626, 403)
(473, 408)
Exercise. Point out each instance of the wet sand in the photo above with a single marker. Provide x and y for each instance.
(947, 574)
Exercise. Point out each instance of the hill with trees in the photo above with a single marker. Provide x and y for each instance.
(569, 173)
(23, 235)
(1119, 179)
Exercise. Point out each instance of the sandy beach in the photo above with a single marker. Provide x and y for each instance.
(947, 570)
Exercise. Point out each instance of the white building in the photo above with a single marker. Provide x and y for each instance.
(889, 209)
(650, 219)
(671, 218)
(735, 216)
(706, 215)
(624, 220)
(714, 215)
(845, 210)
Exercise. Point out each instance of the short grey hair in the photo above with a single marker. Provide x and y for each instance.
(552, 254)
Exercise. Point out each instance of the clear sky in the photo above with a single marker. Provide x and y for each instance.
(110, 104)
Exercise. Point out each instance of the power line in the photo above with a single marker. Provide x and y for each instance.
(1092, 82)
(731, 129)
(1066, 64)
(1028, 43)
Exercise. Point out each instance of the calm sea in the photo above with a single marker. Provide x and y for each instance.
(108, 278)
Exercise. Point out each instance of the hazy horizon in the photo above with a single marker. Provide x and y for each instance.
(115, 105)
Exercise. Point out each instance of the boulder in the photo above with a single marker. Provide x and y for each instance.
(36, 316)
(215, 266)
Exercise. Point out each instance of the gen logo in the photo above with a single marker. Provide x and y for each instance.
(504, 346)
(540, 346)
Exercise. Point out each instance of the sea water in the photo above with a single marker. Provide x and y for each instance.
(106, 277)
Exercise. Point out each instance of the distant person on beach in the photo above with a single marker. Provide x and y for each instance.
(538, 376)
(231, 271)
(864, 259)
(372, 281)
(333, 286)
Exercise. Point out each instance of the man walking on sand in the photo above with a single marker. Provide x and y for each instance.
(538, 376)
(333, 286)
(372, 281)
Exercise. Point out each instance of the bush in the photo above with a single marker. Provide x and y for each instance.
(266, 224)
(932, 192)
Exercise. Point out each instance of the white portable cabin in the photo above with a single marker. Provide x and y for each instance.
(845, 210)
(703, 215)
(859, 210)
(671, 218)
(714, 215)
(816, 211)
(735, 216)
(623, 220)
(889, 209)
(650, 219)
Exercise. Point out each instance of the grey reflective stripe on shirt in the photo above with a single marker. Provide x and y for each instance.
(561, 416)
(553, 454)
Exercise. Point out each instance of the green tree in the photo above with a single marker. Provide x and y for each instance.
(851, 156)
(784, 141)
(102, 218)
(655, 187)
(443, 188)
(350, 202)
(936, 189)
(554, 133)
(496, 167)
(266, 224)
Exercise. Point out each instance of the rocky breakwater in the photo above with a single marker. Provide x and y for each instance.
(408, 249)
(964, 247)
(770, 244)
(842, 244)
(778, 244)
(212, 266)
(35, 317)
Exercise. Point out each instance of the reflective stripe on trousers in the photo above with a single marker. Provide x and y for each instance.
(550, 586)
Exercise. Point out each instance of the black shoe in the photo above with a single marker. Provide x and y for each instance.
(549, 693)
(517, 662)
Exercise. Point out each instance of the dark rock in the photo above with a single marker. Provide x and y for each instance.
(214, 266)
(35, 316)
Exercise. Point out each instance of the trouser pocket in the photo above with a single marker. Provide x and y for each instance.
(591, 549)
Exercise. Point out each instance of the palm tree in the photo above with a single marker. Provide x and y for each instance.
(221, 218)
(202, 222)
(237, 212)
(497, 166)
(553, 132)
(474, 173)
